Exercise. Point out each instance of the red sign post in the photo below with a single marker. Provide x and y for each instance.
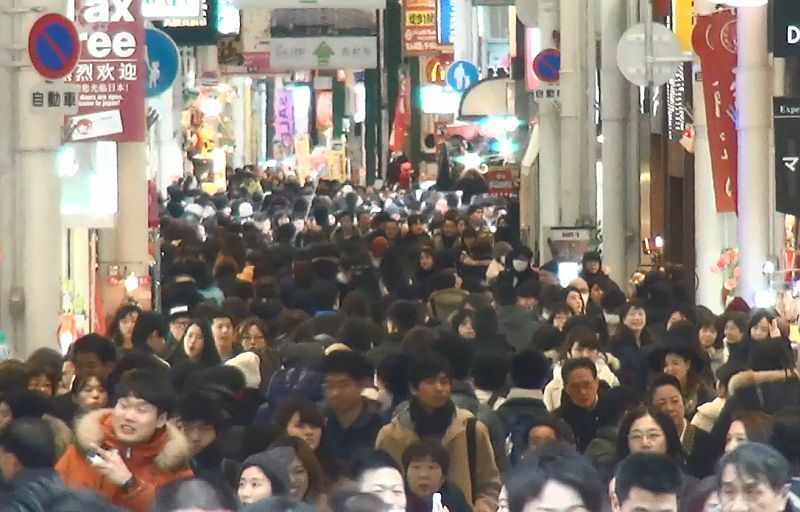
(111, 71)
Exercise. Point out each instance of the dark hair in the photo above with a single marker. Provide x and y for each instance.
(148, 323)
(50, 358)
(530, 369)
(348, 362)
(368, 459)
(739, 319)
(418, 339)
(573, 364)
(582, 335)
(191, 494)
(529, 288)
(559, 462)
(325, 294)
(662, 379)
(770, 355)
(96, 344)
(359, 333)
(277, 503)
(757, 460)
(547, 338)
(198, 406)
(490, 371)
(459, 318)
(557, 309)
(32, 441)
(349, 501)
(786, 433)
(666, 424)
(308, 411)
(113, 327)
(309, 460)
(26, 404)
(35, 369)
(147, 385)
(427, 366)
(758, 425)
(427, 448)
(79, 383)
(209, 356)
(650, 472)
(404, 314)
(460, 355)
(245, 326)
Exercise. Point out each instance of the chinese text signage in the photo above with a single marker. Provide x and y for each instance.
(110, 72)
(324, 53)
(786, 28)
(420, 32)
(714, 40)
(786, 112)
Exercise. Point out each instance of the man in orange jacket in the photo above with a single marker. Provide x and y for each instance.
(125, 453)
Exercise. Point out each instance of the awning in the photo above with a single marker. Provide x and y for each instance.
(491, 97)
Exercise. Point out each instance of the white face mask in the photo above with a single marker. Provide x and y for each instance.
(520, 265)
(611, 319)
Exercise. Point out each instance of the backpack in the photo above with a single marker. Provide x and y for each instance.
(297, 382)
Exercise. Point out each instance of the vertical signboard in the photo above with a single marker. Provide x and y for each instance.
(446, 23)
(683, 22)
(786, 28)
(714, 40)
(110, 72)
(284, 117)
(420, 35)
(786, 113)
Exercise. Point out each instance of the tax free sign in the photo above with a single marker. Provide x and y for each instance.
(111, 71)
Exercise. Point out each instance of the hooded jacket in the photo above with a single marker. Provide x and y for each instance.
(398, 435)
(42, 490)
(517, 325)
(165, 457)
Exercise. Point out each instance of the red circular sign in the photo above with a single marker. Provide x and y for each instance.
(54, 46)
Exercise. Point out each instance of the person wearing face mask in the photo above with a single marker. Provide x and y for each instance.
(518, 262)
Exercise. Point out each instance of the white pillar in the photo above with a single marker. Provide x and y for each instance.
(167, 157)
(30, 192)
(637, 142)
(572, 99)
(753, 92)
(261, 114)
(131, 231)
(589, 39)
(238, 120)
(708, 224)
(550, 141)
(463, 47)
(614, 111)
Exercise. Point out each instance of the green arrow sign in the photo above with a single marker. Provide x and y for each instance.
(324, 54)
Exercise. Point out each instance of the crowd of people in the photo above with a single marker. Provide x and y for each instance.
(337, 348)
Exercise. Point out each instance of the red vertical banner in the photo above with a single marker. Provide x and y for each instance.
(714, 40)
(402, 118)
(111, 72)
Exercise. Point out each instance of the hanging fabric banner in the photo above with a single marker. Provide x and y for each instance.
(399, 133)
(714, 40)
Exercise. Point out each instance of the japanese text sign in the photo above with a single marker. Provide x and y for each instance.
(111, 70)
(420, 31)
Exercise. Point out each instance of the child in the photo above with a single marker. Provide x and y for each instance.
(425, 464)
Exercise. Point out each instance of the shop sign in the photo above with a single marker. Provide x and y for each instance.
(163, 9)
(786, 28)
(255, 29)
(111, 71)
(502, 181)
(436, 69)
(364, 5)
(676, 104)
(786, 115)
(284, 117)
(714, 40)
(446, 16)
(195, 30)
(324, 53)
(420, 34)
(233, 60)
(683, 22)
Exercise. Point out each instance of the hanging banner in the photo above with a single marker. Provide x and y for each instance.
(284, 117)
(399, 133)
(786, 115)
(421, 35)
(110, 73)
(714, 40)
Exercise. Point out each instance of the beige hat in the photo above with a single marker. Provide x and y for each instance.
(250, 365)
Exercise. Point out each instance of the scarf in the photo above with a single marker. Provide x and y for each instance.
(434, 424)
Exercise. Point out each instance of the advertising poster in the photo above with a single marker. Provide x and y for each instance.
(420, 31)
(110, 72)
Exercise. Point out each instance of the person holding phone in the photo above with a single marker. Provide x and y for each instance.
(425, 464)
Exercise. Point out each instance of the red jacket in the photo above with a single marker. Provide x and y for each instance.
(163, 459)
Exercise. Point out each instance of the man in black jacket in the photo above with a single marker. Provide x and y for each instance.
(585, 410)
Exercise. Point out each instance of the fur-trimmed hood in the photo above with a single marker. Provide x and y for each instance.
(63, 434)
(752, 378)
(168, 448)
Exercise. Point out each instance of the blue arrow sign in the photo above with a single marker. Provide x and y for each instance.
(163, 62)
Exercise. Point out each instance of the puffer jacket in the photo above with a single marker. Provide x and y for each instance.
(163, 459)
(398, 435)
(43, 490)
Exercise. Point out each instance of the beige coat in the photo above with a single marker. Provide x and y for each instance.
(398, 435)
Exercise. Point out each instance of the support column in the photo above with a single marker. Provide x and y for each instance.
(707, 222)
(588, 206)
(30, 227)
(753, 88)
(572, 99)
(614, 96)
(167, 153)
(239, 124)
(637, 142)
(549, 192)
(463, 44)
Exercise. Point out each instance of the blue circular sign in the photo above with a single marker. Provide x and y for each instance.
(163, 62)
(461, 75)
(547, 65)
